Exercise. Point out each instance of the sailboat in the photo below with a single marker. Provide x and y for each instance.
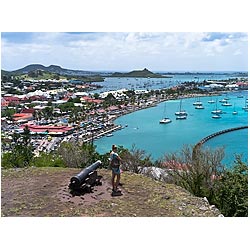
(246, 105)
(216, 116)
(199, 106)
(234, 112)
(216, 111)
(223, 100)
(181, 114)
(211, 101)
(227, 104)
(198, 102)
(165, 119)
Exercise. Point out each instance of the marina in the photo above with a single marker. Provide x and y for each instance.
(158, 140)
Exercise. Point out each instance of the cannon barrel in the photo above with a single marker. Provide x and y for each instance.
(77, 180)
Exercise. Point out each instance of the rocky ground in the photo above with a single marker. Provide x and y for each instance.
(44, 192)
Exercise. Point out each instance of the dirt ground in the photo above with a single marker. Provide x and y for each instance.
(41, 192)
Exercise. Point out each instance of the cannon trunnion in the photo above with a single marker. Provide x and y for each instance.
(86, 179)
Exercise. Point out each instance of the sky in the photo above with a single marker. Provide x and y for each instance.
(126, 51)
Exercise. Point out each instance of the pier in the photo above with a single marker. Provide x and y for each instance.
(99, 135)
(201, 142)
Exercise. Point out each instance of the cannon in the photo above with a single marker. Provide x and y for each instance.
(86, 179)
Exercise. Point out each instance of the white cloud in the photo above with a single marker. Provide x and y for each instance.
(124, 50)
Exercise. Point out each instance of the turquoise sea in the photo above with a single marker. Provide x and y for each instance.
(143, 128)
(115, 83)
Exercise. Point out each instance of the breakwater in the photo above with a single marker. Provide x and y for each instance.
(201, 142)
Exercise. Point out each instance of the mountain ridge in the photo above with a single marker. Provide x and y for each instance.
(52, 69)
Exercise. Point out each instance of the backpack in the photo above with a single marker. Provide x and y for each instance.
(115, 163)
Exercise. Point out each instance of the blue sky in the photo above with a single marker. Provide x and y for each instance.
(124, 51)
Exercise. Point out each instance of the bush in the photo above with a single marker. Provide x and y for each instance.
(231, 190)
(195, 172)
(135, 159)
(74, 155)
(48, 160)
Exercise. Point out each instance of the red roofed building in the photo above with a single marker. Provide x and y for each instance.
(242, 85)
(22, 117)
(52, 130)
(91, 100)
(28, 111)
(37, 98)
(12, 99)
(4, 103)
(113, 108)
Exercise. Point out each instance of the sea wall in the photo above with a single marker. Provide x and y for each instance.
(201, 142)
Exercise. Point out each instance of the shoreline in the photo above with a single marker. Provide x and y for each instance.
(116, 127)
(169, 99)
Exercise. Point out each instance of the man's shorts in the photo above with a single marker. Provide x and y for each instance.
(116, 170)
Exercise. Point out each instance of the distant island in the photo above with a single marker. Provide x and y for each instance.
(145, 73)
(39, 71)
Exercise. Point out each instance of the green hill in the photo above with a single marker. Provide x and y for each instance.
(139, 73)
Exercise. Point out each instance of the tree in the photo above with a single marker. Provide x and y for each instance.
(231, 190)
(74, 155)
(195, 171)
(134, 159)
(21, 153)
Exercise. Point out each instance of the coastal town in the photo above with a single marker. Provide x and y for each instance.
(58, 110)
(96, 136)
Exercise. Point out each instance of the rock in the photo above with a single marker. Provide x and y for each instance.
(203, 208)
(205, 199)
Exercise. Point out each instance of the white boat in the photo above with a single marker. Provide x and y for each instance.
(181, 112)
(198, 102)
(234, 112)
(223, 100)
(216, 116)
(165, 119)
(211, 101)
(246, 105)
(199, 106)
(216, 111)
(181, 117)
(109, 135)
(227, 104)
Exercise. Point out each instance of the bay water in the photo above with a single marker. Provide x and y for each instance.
(142, 128)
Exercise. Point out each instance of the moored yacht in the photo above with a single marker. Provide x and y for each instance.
(198, 102)
(216, 111)
(181, 112)
(199, 106)
(165, 120)
(216, 116)
(234, 112)
(227, 104)
(181, 117)
(223, 100)
(211, 101)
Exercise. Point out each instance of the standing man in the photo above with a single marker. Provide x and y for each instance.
(115, 162)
